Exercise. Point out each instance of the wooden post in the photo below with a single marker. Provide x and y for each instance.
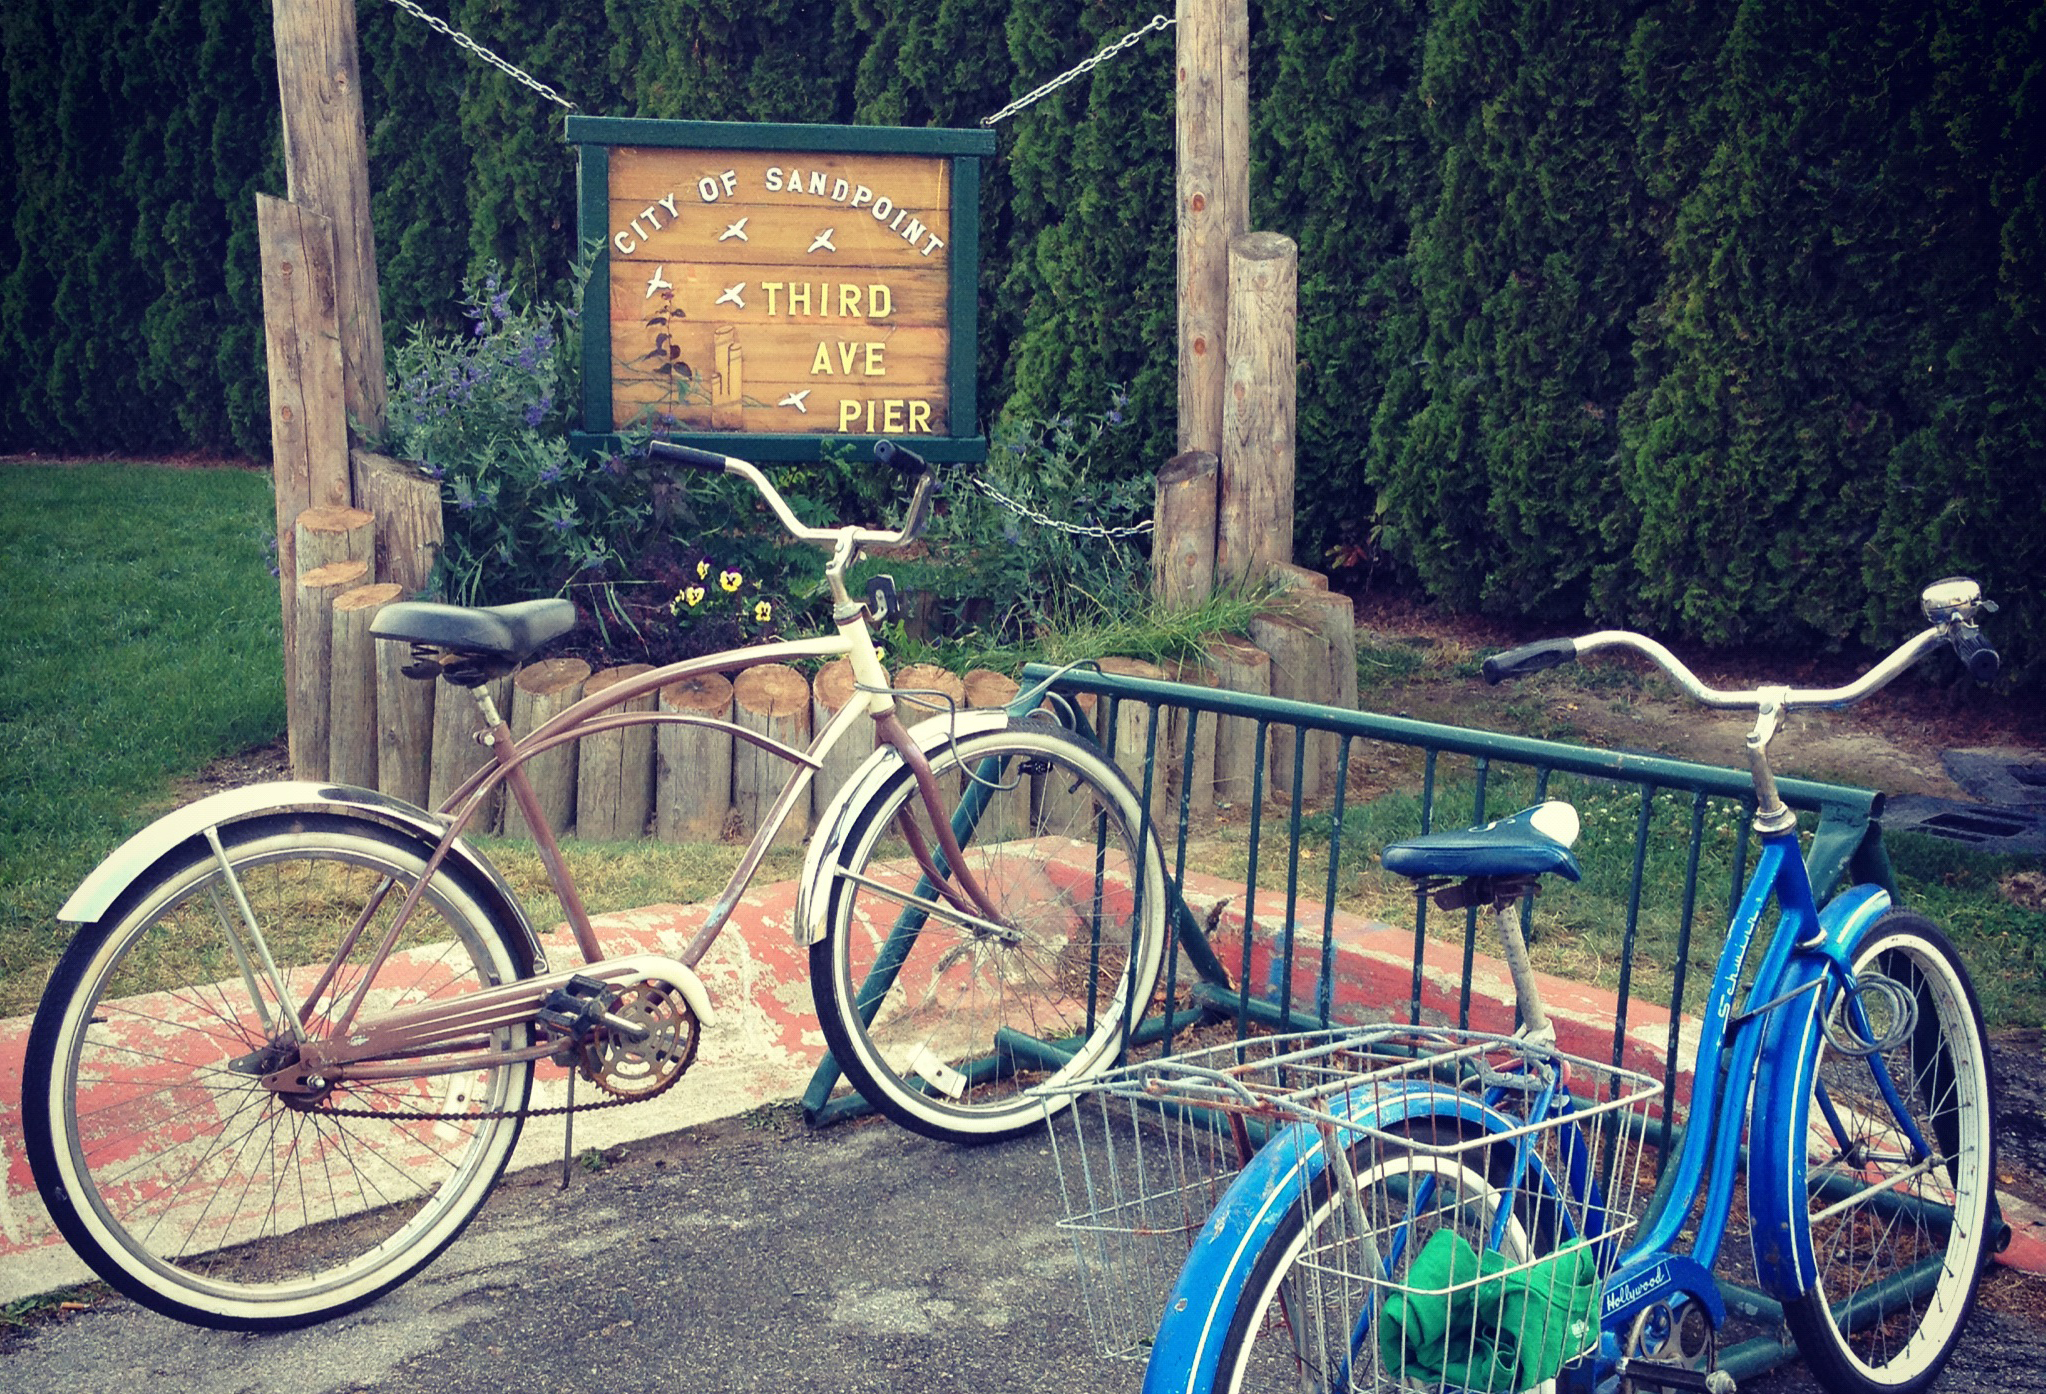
(456, 752)
(1333, 616)
(1212, 120)
(928, 678)
(614, 780)
(693, 793)
(306, 700)
(325, 535)
(829, 692)
(1199, 779)
(1238, 667)
(407, 508)
(302, 343)
(1133, 741)
(1300, 673)
(404, 726)
(1255, 519)
(774, 700)
(1289, 577)
(326, 165)
(541, 691)
(1007, 813)
(987, 690)
(1183, 547)
(352, 696)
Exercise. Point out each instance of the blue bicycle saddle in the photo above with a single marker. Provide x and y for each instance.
(1530, 843)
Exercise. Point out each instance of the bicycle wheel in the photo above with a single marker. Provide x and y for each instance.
(950, 1023)
(1310, 1315)
(1897, 1232)
(165, 1162)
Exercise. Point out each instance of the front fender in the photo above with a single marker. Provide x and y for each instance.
(1188, 1351)
(1783, 1093)
(100, 890)
(841, 818)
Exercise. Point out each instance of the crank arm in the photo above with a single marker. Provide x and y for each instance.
(430, 1027)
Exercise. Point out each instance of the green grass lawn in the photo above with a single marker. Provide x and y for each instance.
(139, 639)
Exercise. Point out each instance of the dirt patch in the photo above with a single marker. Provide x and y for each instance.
(271, 760)
(1890, 743)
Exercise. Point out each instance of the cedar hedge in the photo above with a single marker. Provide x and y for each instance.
(1728, 319)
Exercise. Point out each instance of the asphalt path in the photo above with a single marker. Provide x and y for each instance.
(737, 1256)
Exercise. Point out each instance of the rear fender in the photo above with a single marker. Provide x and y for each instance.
(131, 862)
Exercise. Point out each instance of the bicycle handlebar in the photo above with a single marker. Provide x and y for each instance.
(887, 452)
(1952, 624)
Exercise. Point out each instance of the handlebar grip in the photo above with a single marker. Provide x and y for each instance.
(686, 455)
(1980, 659)
(898, 456)
(1529, 658)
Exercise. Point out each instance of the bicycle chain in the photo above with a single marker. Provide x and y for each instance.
(488, 1115)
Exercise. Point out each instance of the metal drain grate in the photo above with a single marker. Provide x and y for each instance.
(1987, 829)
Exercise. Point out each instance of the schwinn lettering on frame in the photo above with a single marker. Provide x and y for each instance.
(783, 284)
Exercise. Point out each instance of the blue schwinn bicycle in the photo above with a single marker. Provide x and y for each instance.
(1417, 1208)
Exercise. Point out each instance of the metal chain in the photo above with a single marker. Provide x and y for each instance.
(464, 41)
(1158, 22)
(1024, 510)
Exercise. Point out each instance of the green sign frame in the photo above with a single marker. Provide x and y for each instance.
(598, 138)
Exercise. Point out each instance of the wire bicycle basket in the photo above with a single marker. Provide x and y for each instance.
(1457, 1198)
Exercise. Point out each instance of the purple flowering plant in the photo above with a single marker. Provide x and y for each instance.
(486, 411)
(1006, 574)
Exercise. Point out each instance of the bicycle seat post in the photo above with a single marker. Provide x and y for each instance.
(1506, 903)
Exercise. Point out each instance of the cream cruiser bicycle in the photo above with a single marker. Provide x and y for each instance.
(289, 1050)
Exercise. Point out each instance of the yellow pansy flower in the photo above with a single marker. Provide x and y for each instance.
(730, 580)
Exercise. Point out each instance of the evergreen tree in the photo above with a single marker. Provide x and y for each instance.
(412, 79)
(1965, 487)
(1778, 350)
(1337, 167)
(1528, 270)
(1095, 262)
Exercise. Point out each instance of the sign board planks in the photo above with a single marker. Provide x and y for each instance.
(765, 289)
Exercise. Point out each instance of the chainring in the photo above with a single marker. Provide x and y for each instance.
(633, 1070)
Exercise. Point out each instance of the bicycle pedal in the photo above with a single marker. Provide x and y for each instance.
(1653, 1374)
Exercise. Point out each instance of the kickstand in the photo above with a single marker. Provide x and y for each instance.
(568, 1130)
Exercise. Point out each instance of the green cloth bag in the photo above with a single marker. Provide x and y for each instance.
(1462, 1321)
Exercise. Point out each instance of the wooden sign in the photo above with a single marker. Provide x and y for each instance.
(764, 289)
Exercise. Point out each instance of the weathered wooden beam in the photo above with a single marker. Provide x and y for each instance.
(326, 166)
(774, 701)
(352, 687)
(1212, 120)
(407, 508)
(302, 341)
(1255, 517)
(614, 781)
(1183, 546)
(540, 692)
(693, 792)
